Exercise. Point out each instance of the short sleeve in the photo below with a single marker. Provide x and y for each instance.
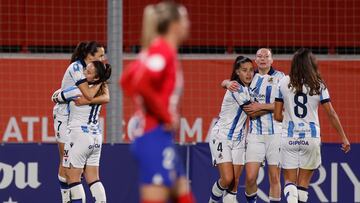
(70, 93)
(242, 96)
(76, 72)
(279, 96)
(324, 95)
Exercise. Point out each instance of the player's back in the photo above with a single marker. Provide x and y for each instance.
(157, 79)
(72, 76)
(301, 110)
(85, 116)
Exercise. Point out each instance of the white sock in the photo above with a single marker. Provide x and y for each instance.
(291, 193)
(303, 194)
(230, 197)
(216, 192)
(77, 193)
(64, 188)
(98, 191)
(274, 199)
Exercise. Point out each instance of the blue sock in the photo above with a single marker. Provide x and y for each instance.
(251, 198)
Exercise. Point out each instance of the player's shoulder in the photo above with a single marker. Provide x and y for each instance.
(276, 73)
(159, 55)
(76, 66)
(284, 80)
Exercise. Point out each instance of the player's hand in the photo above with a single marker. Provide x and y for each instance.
(252, 108)
(233, 86)
(345, 145)
(81, 101)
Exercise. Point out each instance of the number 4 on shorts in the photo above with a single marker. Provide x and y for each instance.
(219, 147)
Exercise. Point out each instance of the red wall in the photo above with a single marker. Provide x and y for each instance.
(328, 23)
(27, 85)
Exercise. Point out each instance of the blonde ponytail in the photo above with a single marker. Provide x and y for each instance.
(149, 26)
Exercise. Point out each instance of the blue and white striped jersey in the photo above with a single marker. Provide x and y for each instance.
(232, 119)
(84, 117)
(263, 90)
(74, 75)
(301, 117)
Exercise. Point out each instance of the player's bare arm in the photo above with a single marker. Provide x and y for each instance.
(102, 99)
(278, 116)
(335, 122)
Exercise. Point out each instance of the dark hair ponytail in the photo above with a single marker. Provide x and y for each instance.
(103, 71)
(83, 49)
(237, 63)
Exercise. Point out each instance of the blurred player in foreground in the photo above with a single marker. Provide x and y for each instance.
(84, 53)
(155, 80)
(300, 94)
(227, 138)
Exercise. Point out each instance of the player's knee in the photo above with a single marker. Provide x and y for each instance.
(227, 180)
(291, 193)
(251, 179)
(302, 194)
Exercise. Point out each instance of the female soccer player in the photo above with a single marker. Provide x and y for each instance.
(300, 94)
(155, 80)
(227, 138)
(263, 139)
(84, 53)
(85, 140)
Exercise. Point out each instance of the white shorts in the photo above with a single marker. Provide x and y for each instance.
(261, 147)
(227, 151)
(84, 148)
(60, 127)
(301, 153)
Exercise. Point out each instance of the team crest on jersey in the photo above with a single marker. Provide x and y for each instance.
(271, 80)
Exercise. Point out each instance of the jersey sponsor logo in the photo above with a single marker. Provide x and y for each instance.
(23, 175)
(96, 146)
(299, 142)
(258, 97)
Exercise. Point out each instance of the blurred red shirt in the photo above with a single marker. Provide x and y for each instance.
(155, 81)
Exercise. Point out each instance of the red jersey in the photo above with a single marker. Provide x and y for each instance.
(155, 81)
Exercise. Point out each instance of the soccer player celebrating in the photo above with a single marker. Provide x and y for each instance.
(300, 94)
(263, 139)
(84, 53)
(85, 139)
(227, 138)
(155, 80)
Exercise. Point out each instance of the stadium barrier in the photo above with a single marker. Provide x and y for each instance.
(27, 85)
(28, 173)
